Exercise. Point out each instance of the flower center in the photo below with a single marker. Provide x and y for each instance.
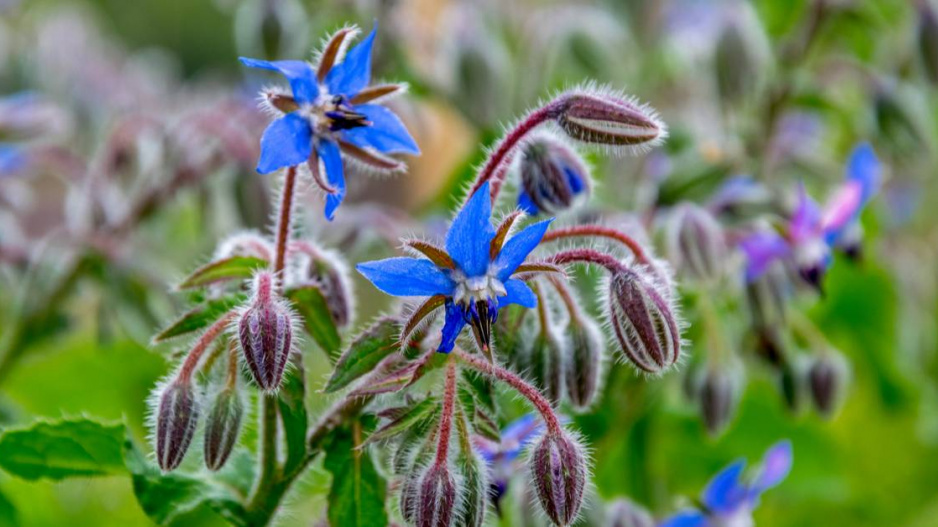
(478, 298)
(333, 113)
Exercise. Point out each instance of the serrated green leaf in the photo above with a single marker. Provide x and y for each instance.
(357, 495)
(201, 316)
(231, 268)
(63, 449)
(317, 318)
(364, 354)
(414, 415)
(293, 414)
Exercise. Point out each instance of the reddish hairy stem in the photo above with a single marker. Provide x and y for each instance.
(589, 256)
(572, 307)
(283, 224)
(599, 230)
(195, 354)
(529, 392)
(446, 421)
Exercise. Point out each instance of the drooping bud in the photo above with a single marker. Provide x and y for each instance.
(436, 498)
(607, 118)
(735, 63)
(584, 365)
(559, 471)
(768, 296)
(697, 243)
(246, 243)
(718, 397)
(222, 425)
(928, 40)
(554, 364)
(265, 330)
(623, 512)
(177, 414)
(475, 490)
(643, 317)
(328, 272)
(553, 176)
(827, 381)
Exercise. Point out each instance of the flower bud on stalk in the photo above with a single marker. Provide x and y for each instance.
(625, 513)
(222, 426)
(697, 243)
(176, 419)
(718, 397)
(827, 381)
(475, 487)
(735, 63)
(553, 176)
(265, 330)
(329, 273)
(585, 362)
(642, 315)
(436, 498)
(609, 119)
(558, 470)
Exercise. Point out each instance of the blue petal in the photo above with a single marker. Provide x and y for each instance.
(775, 467)
(387, 134)
(519, 293)
(286, 142)
(332, 161)
(301, 75)
(688, 518)
(518, 247)
(762, 249)
(406, 277)
(863, 167)
(526, 204)
(575, 180)
(725, 493)
(452, 326)
(354, 72)
(471, 233)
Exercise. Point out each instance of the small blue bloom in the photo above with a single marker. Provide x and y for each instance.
(471, 277)
(501, 456)
(728, 500)
(12, 160)
(553, 176)
(332, 112)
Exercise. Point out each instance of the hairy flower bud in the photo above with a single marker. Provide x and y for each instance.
(625, 513)
(553, 176)
(222, 425)
(696, 242)
(827, 381)
(408, 501)
(475, 490)
(328, 272)
(928, 40)
(735, 63)
(246, 243)
(642, 315)
(585, 362)
(559, 471)
(607, 118)
(436, 498)
(177, 414)
(718, 396)
(265, 330)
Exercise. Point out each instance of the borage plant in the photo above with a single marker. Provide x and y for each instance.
(432, 387)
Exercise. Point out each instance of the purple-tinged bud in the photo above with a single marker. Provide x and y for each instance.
(584, 366)
(928, 40)
(222, 426)
(328, 272)
(697, 243)
(718, 397)
(768, 296)
(558, 470)
(643, 317)
(246, 243)
(553, 176)
(177, 415)
(827, 380)
(475, 491)
(265, 330)
(624, 512)
(607, 118)
(436, 498)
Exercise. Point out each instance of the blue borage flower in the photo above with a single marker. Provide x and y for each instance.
(473, 277)
(553, 176)
(728, 500)
(332, 111)
(500, 456)
(811, 232)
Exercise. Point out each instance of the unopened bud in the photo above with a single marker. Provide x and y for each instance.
(792, 385)
(553, 176)
(222, 425)
(475, 490)
(606, 118)
(328, 272)
(928, 39)
(718, 396)
(408, 501)
(436, 498)
(559, 471)
(176, 419)
(735, 63)
(768, 296)
(265, 330)
(827, 381)
(642, 315)
(246, 243)
(697, 242)
(585, 362)
(625, 513)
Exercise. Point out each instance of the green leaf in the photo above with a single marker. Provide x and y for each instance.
(356, 498)
(8, 515)
(317, 318)
(201, 316)
(365, 353)
(63, 449)
(293, 414)
(231, 268)
(405, 420)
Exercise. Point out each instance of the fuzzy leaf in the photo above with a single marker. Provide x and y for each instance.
(357, 495)
(201, 316)
(62, 449)
(231, 268)
(414, 414)
(317, 318)
(364, 354)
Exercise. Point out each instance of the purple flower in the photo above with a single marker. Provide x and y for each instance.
(471, 277)
(728, 500)
(331, 112)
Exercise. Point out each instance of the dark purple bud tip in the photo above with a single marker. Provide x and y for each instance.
(607, 118)
(625, 513)
(222, 426)
(176, 419)
(558, 470)
(644, 320)
(827, 380)
(553, 176)
(696, 242)
(436, 498)
(583, 369)
(265, 330)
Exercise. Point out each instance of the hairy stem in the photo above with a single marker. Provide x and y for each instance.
(446, 420)
(195, 354)
(285, 220)
(588, 256)
(603, 232)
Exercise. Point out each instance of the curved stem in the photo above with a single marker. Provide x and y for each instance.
(604, 232)
(285, 220)
(588, 256)
(446, 420)
(195, 354)
(567, 297)
(529, 392)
